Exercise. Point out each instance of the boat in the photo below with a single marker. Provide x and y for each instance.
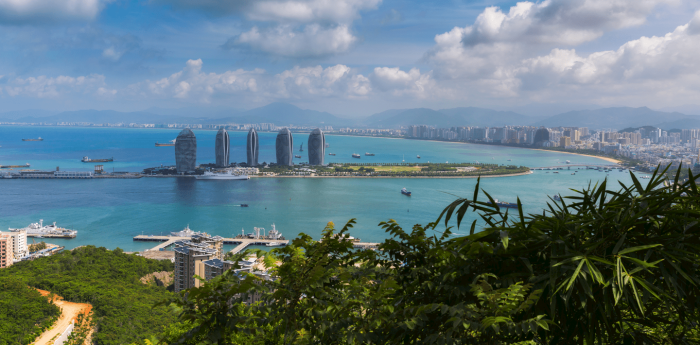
(297, 156)
(41, 230)
(568, 162)
(369, 154)
(224, 175)
(573, 173)
(355, 155)
(244, 205)
(171, 143)
(328, 145)
(274, 244)
(556, 198)
(331, 154)
(301, 148)
(37, 139)
(15, 166)
(404, 191)
(88, 160)
(504, 204)
(418, 156)
(510, 160)
(187, 232)
(274, 234)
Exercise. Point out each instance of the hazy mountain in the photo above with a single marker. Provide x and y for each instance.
(100, 116)
(18, 114)
(196, 112)
(543, 110)
(617, 118)
(467, 116)
(687, 123)
(690, 109)
(282, 114)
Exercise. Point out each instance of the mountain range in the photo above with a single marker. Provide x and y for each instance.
(283, 114)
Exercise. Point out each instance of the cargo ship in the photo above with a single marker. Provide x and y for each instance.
(369, 154)
(297, 156)
(40, 230)
(171, 143)
(208, 175)
(37, 139)
(504, 204)
(355, 155)
(88, 160)
(14, 166)
(406, 192)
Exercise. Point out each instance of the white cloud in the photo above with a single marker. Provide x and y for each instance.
(43, 11)
(284, 40)
(332, 81)
(49, 87)
(191, 83)
(398, 82)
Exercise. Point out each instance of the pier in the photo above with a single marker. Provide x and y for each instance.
(242, 243)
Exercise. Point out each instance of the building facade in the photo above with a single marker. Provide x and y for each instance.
(189, 261)
(186, 152)
(222, 148)
(19, 243)
(6, 253)
(252, 148)
(284, 146)
(317, 147)
(541, 136)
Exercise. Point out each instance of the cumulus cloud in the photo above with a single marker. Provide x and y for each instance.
(333, 81)
(284, 40)
(53, 87)
(399, 82)
(498, 38)
(47, 11)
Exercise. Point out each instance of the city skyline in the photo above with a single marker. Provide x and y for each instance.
(363, 56)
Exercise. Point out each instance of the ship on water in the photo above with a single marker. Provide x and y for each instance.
(187, 232)
(331, 154)
(369, 154)
(40, 230)
(418, 156)
(504, 204)
(224, 175)
(405, 191)
(171, 143)
(14, 166)
(355, 155)
(37, 139)
(88, 160)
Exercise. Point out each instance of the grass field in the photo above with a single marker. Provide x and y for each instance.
(391, 168)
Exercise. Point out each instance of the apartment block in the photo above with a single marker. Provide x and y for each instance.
(213, 242)
(6, 253)
(189, 258)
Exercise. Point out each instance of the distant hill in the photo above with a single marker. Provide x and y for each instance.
(18, 114)
(282, 114)
(101, 116)
(686, 123)
(467, 116)
(617, 118)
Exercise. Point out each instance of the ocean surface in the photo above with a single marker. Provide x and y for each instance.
(109, 212)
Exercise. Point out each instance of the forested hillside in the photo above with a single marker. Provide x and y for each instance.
(24, 312)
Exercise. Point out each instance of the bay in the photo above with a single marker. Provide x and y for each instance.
(109, 212)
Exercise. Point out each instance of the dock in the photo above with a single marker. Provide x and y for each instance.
(241, 243)
(51, 235)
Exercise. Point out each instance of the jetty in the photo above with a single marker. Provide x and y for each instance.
(241, 243)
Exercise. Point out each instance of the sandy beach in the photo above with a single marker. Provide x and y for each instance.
(611, 160)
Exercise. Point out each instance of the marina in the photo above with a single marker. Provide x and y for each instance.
(39, 230)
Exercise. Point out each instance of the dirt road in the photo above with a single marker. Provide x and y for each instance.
(70, 313)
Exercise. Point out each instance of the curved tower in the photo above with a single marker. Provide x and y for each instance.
(252, 148)
(222, 147)
(283, 147)
(541, 136)
(316, 147)
(185, 151)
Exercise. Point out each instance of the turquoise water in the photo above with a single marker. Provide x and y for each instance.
(110, 212)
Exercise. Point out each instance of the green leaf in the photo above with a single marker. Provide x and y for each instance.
(638, 248)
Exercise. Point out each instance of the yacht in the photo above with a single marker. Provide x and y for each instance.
(187, 232)
(225, 175)
(355, 155)
(418, 156)
(369, 154)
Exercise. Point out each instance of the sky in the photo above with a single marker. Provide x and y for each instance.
(347, 57)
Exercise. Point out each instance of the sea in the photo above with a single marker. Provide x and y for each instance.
(110, 212)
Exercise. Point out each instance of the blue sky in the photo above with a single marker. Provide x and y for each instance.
(348, 57)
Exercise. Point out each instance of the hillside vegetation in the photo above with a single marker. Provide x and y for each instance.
(109, 280)
(24, 312)
(606, 265)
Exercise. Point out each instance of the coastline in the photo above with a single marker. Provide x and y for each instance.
(611, 160)
(398, 177)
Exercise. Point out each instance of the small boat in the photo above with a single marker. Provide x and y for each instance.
(369, 154)
(274, 244)
(556, 198)
(418, 156)
(573, 173)
(510, 160)
(504, 204)
(37, 139)
(328, 145)
(297, 156)
(331, 154)
(404, 191)
(301, 148)
(171, 143)
(88, 160)
(568, 162)
(244, 205)
(355, 155)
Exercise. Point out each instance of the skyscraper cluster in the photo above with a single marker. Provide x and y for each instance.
(284, 145)
(222, 148)
(317, 147)
(252, 148)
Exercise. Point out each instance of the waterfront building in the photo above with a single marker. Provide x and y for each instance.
(541, 136)
(189, 261)
(186, 152)
(252, 148)
(222, 148)
(213, 242)
(564, 142)
(317, 147)
(18, 243)
(6, 254)
(284, 146)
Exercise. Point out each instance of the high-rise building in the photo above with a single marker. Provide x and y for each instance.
(19, 243)
(541, 136)
(6, 254)
(317, 147)
(564, 141)
(283, 147)
(189, 261)
(252, 148)
(186, 152)
(222, 148)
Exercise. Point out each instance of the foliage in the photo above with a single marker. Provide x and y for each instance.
(600, 267)
(37, 247)
(24, 312)
(109, 280)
